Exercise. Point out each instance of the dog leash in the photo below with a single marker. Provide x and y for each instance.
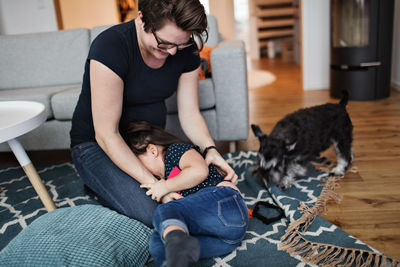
(255, 212)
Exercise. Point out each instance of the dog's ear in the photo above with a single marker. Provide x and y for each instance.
(257, 131)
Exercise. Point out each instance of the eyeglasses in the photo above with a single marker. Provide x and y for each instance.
(167, 45)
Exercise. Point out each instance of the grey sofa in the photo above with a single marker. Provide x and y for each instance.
(48, 68)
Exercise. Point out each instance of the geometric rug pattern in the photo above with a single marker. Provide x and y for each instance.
(263, 244)
(19, 203)
(301, 238)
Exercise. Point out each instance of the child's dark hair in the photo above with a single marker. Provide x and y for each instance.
(139, 134)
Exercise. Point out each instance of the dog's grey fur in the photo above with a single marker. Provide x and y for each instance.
(300, 137)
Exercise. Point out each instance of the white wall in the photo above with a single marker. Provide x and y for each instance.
(396, 47)
(315, 44)
(27, 16)
(206, 4)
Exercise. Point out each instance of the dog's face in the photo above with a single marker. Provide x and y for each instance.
(271, 154)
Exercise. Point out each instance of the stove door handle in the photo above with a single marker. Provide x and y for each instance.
(370, 64)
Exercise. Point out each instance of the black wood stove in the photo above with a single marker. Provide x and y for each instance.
(361, 48)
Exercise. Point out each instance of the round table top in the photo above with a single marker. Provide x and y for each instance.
(20, 117)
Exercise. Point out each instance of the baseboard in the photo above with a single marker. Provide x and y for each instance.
(396, 85)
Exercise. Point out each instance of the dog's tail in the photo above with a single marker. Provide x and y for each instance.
(345, 98)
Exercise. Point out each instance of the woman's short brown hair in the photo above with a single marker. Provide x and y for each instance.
(188, 15)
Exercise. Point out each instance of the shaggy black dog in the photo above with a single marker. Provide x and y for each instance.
(300, 137)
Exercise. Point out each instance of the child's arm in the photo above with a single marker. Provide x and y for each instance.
(194, 170)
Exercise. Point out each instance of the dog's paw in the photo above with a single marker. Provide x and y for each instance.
(285, 187)
(286, 182)
(336, 173)
(282, 187)
(340, 169)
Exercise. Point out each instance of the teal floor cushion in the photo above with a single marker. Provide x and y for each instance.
(87, 235)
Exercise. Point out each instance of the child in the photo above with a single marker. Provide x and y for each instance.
(208, 218)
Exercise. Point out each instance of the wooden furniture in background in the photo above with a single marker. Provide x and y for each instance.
(73, 14)
(270, 20)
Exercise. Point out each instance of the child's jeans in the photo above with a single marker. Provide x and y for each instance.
(216, 216)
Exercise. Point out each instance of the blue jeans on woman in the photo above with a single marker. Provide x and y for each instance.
(217, 216)
(116, 189)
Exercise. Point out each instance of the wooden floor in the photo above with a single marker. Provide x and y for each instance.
(370, 208)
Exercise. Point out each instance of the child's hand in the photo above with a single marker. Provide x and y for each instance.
(170, 196)
(156, 190)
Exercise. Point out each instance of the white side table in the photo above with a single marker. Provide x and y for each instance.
(16, 119)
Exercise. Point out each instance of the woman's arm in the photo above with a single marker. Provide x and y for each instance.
(194, 170)
(193, 123)
(107, 98)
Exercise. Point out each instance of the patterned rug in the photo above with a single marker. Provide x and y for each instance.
(301, 238)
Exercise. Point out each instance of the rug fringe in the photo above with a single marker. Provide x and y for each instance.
(326, 254)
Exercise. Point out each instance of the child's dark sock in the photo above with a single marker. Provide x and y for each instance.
(181, 249)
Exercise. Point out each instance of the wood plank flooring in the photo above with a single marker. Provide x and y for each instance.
(370, 208)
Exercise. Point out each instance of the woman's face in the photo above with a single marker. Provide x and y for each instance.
(170, 33)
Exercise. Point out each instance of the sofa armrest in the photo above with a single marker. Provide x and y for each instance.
(229, 75)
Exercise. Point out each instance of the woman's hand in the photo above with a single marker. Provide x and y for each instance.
(156, 190)
(170, 196)
(213, 157)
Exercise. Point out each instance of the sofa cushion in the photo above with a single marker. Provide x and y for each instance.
(53, 134)
(97, 30)
(206, 97)
(43, 59)
(214, 37)
(173, 125)
(38, 94)
(87, 235)
(63, 103)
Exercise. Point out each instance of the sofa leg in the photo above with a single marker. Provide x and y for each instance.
(232, 146)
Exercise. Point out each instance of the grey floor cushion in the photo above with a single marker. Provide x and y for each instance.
(87, 235)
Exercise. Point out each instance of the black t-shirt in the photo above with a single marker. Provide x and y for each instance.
(145, 89)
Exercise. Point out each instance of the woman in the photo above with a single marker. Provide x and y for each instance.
(130, 70)
(209, 220)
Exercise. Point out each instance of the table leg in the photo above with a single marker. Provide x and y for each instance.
(32, 174)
